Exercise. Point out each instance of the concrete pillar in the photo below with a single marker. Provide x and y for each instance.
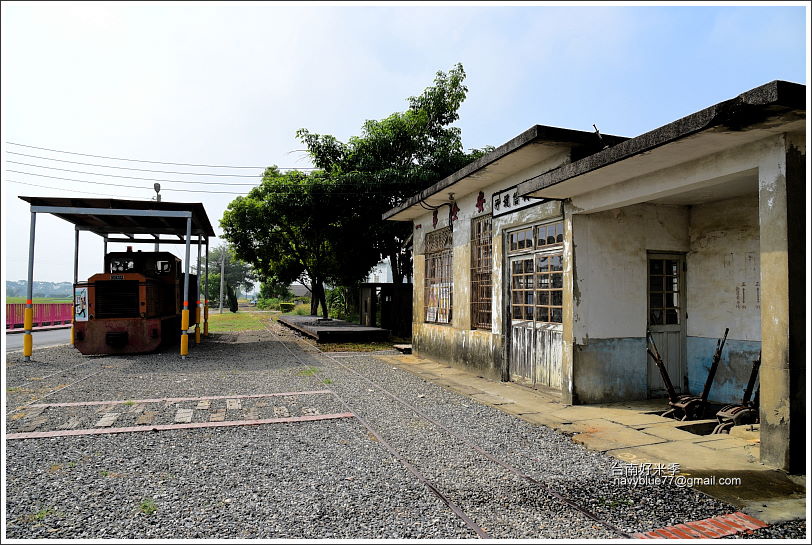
(568, 312)
(782, 198)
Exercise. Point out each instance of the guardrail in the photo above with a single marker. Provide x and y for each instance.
(45, 315)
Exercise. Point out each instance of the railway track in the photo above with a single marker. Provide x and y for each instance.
(456, 509)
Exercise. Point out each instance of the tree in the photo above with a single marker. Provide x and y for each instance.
(238, 273)
(270, 288)
(297, 226)
(395, 158)
(231, 297)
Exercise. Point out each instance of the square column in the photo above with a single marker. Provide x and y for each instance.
(782, 198)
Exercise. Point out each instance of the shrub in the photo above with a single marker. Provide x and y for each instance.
(287, 307)
(271, 303)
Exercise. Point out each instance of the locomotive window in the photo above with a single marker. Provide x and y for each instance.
(162, 266)
(122, 265)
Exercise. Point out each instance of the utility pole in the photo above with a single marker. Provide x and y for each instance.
(222, 277)
(157, 187)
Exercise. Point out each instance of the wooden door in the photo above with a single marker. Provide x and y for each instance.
(666, 320)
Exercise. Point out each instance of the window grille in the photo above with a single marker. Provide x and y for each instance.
(481, 271)
(537, 279)
(438, 279)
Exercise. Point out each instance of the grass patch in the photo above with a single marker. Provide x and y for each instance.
(147, 506)
(40, 300)
(42, 513)
(236, 321)
(129, 403)
(327, 381)
(356, 347)
(309, 372)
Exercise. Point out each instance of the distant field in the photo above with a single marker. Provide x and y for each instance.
(15, 300)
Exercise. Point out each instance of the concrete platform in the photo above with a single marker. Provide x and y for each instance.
(333, 331)
(630, 432)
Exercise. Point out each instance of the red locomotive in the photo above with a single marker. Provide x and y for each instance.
(134, 306)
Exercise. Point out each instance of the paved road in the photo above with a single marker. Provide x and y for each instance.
(49, 337)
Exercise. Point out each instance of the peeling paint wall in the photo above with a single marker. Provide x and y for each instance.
(609, 303)
(723, 287)
(456, 343)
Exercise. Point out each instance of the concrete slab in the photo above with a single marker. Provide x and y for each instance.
(332, 331)
(603, 435)
(490, 399)
(630, 418)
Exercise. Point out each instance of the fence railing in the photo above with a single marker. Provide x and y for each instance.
(45, 315)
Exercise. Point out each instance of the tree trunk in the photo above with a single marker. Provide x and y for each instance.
(314, 298)
(323, 299)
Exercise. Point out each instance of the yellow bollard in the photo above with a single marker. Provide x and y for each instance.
(28, 340)
(206, 319)
(184, 328)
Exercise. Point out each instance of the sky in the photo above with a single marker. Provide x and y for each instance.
(231, 83)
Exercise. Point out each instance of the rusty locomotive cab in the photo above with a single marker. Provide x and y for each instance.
(134, 306)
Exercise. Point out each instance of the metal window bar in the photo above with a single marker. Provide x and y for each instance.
(481, 269)
(438, 297)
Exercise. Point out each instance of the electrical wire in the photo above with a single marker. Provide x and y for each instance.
(144, 160)
(130, 168)
(75, 190)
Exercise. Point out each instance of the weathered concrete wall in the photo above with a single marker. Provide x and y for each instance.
(723, 288)
(782, 197)
(610, 274)
(610, 370)
(476, 350)
(733, 371)
(609, 256)
(456, 343)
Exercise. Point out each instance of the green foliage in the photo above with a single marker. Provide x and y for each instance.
(342, 302)
(274, 289)
(393, 159)
(147, 506)
(238, 273)
(287, 307)
(231, 297)
(269, 304)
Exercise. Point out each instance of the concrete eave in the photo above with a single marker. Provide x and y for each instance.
(530, 147)
(773, 108)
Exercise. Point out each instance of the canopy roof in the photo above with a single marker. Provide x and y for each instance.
(118, 216)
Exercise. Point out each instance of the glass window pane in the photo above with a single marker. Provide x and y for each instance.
(555, 315)
(558, 280)
(555, 263)
(556, 297)
(655, 300)
(541, 237)
(671, 316)
(544, 298)
(656, 317)
(655, 266)
(656, 283)
(559, 232)
(528, 265)
(542, 314)
(543, 263)
(528, 298)
(671, 266)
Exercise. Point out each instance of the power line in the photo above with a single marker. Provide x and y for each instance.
(143, 160)
(121, 176)
(159, 171)
(276, 190)
(74, 190)
(130, 168)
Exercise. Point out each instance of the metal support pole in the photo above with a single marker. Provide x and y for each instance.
(105, 246)
(222, 276)
(197, 305)
(184, 320)
(75, 281)
(28, 340)
(156, 243)
(206, 294)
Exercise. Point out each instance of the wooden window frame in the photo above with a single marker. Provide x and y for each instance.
(438, 279)
(482, 272)
(537, 295)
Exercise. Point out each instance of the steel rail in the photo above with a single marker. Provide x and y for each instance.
(583, 510)
(411, 468)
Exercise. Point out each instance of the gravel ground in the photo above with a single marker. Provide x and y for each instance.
(327, 479)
